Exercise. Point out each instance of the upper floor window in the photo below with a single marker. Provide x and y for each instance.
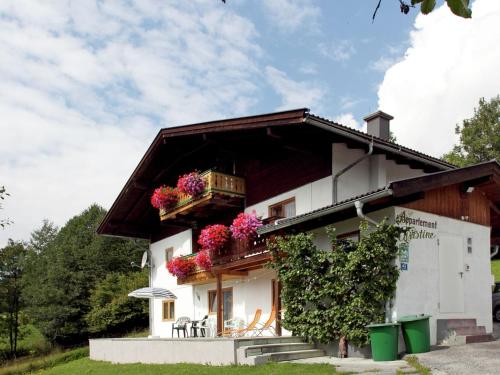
(283, 209)
(169, 254)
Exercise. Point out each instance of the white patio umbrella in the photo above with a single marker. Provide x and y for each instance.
(152, 293)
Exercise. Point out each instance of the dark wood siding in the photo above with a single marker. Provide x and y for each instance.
(283, 171)
(449, 201)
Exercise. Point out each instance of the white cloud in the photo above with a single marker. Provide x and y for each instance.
(295, 94)
(292, 15)
(84, 89)
(309, 68)
(451, 63)
(347, 119)
(337, 51)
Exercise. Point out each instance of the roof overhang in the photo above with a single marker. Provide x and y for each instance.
(131, 215)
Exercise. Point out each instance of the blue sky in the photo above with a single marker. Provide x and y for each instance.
(85, 86)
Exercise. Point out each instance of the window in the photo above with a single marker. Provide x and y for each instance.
(168, 310)
(348, 238)
(169, 254)
(227, 303)
(283, 209)
(353, 236)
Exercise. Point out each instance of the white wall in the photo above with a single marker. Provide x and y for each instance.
(249, 294)
(308, 197)
(181, 243)
(418, 288)
(355, 181)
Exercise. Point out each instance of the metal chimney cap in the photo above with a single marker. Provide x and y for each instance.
(378, 114)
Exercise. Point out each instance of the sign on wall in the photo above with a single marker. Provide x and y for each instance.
(419, 229)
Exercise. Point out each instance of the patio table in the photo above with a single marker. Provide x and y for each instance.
(194, 327)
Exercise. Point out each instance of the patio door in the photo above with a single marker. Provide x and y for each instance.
(227, 303)
(451, 273)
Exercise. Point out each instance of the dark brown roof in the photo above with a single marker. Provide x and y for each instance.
(131, 215)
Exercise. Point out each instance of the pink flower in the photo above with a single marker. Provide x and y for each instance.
(192, 184)
(164, 197)
(213, 237)
(245, 226)
(203, 260)
(181, 266)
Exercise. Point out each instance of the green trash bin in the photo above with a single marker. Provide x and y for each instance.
(384, 341)
(416, 333)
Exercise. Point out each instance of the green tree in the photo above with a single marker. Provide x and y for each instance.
(479, 135)
(41, 238)
(333, 295)
(112, 310)
(58, 284)
(11, 268)
(3, 194)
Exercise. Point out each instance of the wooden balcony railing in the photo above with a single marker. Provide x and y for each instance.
(238, 249)
(216, 184)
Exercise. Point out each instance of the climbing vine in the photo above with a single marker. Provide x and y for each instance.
(333, 294)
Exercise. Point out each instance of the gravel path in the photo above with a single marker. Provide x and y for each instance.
(483, 358)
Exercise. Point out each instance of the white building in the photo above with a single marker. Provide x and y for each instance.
(310, 172)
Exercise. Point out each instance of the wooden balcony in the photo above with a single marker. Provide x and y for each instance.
(232, 262)
(221, 190)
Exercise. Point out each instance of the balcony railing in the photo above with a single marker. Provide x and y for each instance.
(238, 249)
(235, 250)
(216, 185)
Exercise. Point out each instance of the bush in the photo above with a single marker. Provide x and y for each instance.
(112, 309)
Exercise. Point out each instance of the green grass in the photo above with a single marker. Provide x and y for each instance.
(30, 364)
(495, 269)
(86, 366)
(413, 362)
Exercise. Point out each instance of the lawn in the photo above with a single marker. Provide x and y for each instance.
(86, 366)
(495, 269)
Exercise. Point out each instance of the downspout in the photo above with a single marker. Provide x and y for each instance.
(389, 304)
(359, 211)
(344, 170)
(496, 248)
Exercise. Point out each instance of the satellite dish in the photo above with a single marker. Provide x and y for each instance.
(144, 260)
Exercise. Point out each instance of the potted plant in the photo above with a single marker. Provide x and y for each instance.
(191, 184)
(213, 237)
(203, 260)
(164, 197)
(181, 266)
(245, 226)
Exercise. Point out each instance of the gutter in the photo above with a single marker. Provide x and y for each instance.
(285, 223)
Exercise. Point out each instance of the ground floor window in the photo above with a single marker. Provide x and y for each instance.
(168, 310)
(227, 303)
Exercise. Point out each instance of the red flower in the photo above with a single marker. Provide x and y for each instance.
(203, 260)
(165, 197)
(214, 237)
(192, 184)
(181, 266)
(245, 226)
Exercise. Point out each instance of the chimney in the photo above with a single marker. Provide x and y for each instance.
(378, 124)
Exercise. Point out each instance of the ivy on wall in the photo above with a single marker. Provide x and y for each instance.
(333, 294)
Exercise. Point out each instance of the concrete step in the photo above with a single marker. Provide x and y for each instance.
(289, 356)
(253, 341)
(460, 323)
(472, 339)
(466, 331)
(274, 348)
